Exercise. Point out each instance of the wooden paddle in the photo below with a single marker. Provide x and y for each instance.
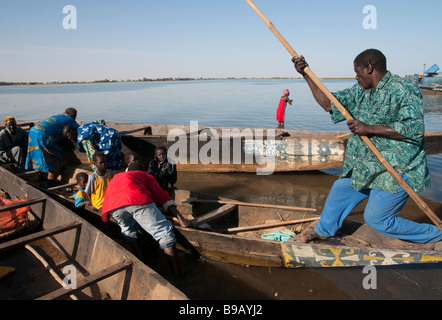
(421, 204)
(73, 184)
(240, 203)
(271, 225)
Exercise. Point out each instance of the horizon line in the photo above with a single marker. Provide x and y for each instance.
(11, 83)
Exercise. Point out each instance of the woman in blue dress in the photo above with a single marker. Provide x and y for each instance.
(44, 152)
(94, 136)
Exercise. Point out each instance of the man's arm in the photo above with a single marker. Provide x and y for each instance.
(3, 144)
(162, 198)
(362, 129)
(356, 127)
(183, 221)
(320, 97)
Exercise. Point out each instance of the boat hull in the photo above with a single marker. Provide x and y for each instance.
(227, 149)
(260, 150)
(290, 254)
(321, 255)
(90, 251)
(356, 245)
(247, 154)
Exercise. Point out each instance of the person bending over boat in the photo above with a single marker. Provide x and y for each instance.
(389, 110)
(44, 153)
(93, 136)
(131, 200)
(13, 144)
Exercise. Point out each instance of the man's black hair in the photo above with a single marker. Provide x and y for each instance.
(372, 57)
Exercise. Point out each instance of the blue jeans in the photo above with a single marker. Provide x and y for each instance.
(150, 218)
(380, 213)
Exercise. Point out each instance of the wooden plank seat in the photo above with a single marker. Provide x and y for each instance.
(87, 281)
(37, 235)
(21, 204)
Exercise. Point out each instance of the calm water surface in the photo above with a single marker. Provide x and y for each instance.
(235, 103)
(244, 103)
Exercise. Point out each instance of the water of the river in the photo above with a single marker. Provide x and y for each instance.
(244, 103)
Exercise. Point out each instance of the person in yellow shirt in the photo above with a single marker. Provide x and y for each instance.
(98, 181)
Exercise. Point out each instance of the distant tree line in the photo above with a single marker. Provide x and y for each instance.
(5, 83)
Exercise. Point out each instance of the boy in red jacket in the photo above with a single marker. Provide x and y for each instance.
(131, 199)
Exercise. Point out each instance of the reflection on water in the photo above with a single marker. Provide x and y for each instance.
(234, 103)
(433, 112)
(291, 189)
(435, 166)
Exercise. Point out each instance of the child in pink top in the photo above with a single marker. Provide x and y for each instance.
(280, 112)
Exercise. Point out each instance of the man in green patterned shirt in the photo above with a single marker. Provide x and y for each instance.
(388, 110)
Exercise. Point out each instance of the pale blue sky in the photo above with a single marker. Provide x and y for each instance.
(130, 39)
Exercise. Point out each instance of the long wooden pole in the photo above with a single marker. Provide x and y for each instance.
(240, 203)
(271, 225)
(421, 204)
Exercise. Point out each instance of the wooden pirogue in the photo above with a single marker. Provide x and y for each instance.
(356, 244)
(228, 149)
(102, 267)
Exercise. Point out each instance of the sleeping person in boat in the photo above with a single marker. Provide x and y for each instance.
(389, 110)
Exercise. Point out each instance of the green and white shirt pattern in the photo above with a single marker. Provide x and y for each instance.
(395, 103)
